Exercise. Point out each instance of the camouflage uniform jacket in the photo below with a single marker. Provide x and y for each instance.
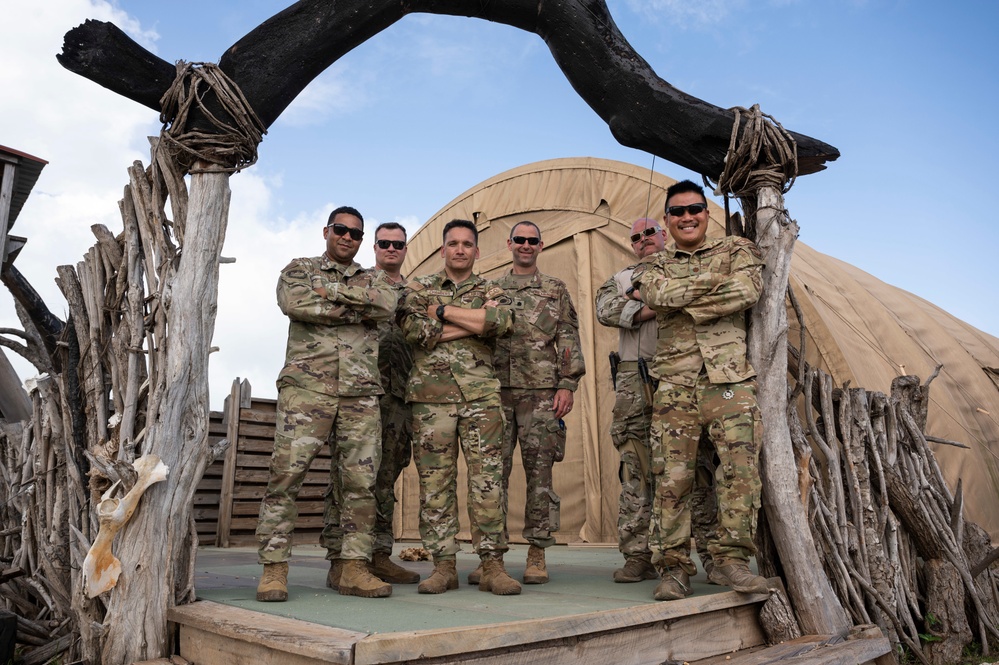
(700, 298)
(544, 349)
(459, 370)
(616, 310)
(395, 356)
(333, 339)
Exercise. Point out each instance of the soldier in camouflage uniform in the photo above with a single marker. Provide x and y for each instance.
(539, 367)
(328, 390)
(617, 306)
(451, 318)
(700, 291)
(395, 360)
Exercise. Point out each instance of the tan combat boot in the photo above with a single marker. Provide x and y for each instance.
(674, 585)
(444, 578)
(385, 569)
(735, 573)
(496, 579)
(709, 565)
(355, 580)
(536, 571)
(333, 576)
(637, 567)
(273, 586)
(475, 575)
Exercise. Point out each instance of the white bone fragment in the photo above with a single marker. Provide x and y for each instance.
(101, 568)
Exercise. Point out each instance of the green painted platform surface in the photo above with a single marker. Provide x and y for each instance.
(580, 583)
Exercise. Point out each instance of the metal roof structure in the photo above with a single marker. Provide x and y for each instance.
(19, 172)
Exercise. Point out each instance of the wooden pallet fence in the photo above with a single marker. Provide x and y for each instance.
(229, 495)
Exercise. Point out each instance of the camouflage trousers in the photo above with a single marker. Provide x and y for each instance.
(305, 421)
(397, 451)
(438, 431)
(531, 422)
(631, 433)
(729, 415)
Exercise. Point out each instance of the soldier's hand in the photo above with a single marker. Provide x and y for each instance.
(563, 402)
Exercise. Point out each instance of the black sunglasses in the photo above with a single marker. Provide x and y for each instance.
(394, 244)
(520, 240)
(692, 209)
(649, 230)
(341, 229)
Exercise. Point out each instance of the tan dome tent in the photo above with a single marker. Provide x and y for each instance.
(861, 330)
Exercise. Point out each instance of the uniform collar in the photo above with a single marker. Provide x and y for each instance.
(708, 243)
(328, 264)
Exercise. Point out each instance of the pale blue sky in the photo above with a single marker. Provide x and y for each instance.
(906, 90)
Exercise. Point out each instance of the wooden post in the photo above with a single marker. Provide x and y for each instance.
(157, 547)
(817, 605)
(238, 399)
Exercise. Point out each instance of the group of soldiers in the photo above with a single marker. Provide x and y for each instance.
(388, 369)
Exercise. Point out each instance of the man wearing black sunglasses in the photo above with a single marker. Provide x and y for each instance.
(700, 290)
(328, 390)
(539, 367)
(395, 359)
(452, 318)
(617, 306)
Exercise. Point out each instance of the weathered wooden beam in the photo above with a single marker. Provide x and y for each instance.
(274, 62)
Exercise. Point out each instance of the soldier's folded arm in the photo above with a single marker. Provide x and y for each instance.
(488, 321)
(613, 309)
(374, 302)
(299, 300)
(738, 293)
(666, 294)
(417, 327)
(735, 292)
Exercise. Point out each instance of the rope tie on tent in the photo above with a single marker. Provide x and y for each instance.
(764, 155)
(233, 145)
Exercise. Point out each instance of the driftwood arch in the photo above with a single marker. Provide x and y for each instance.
(642, 110)
(272, 65)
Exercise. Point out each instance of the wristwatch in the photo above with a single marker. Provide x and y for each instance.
(440, 313)
(629, 291)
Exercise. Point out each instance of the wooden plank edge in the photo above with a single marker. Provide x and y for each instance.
(279, 633)
(486, 637)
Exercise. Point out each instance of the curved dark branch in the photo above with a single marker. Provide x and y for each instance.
(274, 62)
(48, 325)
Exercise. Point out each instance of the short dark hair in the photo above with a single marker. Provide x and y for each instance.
(460, 224)
(392, 226)
(345, 210)
(529, 223)
(682, 187)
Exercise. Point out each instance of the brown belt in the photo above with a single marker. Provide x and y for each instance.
(629, 365)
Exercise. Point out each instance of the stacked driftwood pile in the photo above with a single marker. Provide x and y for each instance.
(88, 423)
(890, 532)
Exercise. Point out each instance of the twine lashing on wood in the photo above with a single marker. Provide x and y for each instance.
(233, 145)
(764, 155)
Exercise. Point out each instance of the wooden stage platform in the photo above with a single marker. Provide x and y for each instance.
(581, 616)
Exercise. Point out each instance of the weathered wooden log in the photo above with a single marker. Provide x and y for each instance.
(946, 621)
(178, 434)
(277, 60)
(819, 609)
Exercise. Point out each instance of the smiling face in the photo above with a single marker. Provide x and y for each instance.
(688, 231)
(343, 249)
(459, 252)
(525, 255)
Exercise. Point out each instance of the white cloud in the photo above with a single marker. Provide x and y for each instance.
(329, 94)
